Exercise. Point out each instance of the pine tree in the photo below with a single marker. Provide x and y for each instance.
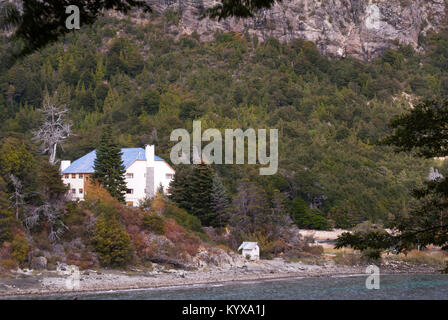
(191, 189)
(109, 168)
(112, 243)
(299, 211)
(180, 187)
(201, 183)
(220, 201)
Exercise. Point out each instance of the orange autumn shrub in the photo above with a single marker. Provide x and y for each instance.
(158, 205)
(20, 248)
(9, 264)
(96, 193)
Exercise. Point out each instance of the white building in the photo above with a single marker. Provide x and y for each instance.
(251, 250)
(145, 172)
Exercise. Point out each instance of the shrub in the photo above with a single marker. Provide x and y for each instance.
(154, 224)
(269, 247)
(112, 243)
(314, 250)
(20, 248)
(174, 232)
(305, 218)
(8, 264)
(84, 259)
(350, 258)
(437, 258)
(186, 220)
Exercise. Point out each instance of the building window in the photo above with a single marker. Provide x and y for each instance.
(169, 176)
(80, 191)
(87, 178)
(74, 191)
(129, 203)
(66, 176)
(129, 175)
(73, 175)
(81, 176)
(130, 191)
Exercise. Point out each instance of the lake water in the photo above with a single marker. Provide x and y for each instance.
(431, 286)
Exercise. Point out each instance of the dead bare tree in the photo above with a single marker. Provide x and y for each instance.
(55, 128)
(51, 212)
(18, 197)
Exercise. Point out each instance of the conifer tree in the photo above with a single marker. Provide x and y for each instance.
(220, 201)
(180, 187)
(201, 184)
(108, 166)
(192, 188)
(112, 243)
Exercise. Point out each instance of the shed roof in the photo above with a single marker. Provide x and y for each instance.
(248, 245)
(85, 163)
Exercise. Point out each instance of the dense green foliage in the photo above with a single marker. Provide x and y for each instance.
(6, 214)
(147, 82)
(192, 189)
(423, 130)
(154, 223)
(112, 244)
(220, 201)
(306, 218)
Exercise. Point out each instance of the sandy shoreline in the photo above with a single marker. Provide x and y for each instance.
(48, 283)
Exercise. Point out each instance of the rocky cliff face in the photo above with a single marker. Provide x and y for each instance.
(358, 28)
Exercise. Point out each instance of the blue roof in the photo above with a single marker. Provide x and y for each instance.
(85, 163)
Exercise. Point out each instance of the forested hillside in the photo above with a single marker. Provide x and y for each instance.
(146, 82)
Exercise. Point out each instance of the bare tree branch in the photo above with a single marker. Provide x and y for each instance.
(17, 197)
(54, 130)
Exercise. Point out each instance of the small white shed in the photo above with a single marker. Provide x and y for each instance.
(251, 250)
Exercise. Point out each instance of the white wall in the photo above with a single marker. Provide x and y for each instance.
(254, 254)
(75, 183)
(161, 169)
(137, 183)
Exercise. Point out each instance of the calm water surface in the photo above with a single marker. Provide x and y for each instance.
(432, 286)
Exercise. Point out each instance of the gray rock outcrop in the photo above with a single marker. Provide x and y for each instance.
(363, 29)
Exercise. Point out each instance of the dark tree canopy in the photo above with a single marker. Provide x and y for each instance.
(192, 190)
(424, 130)
(238, 8)
(38, 23)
